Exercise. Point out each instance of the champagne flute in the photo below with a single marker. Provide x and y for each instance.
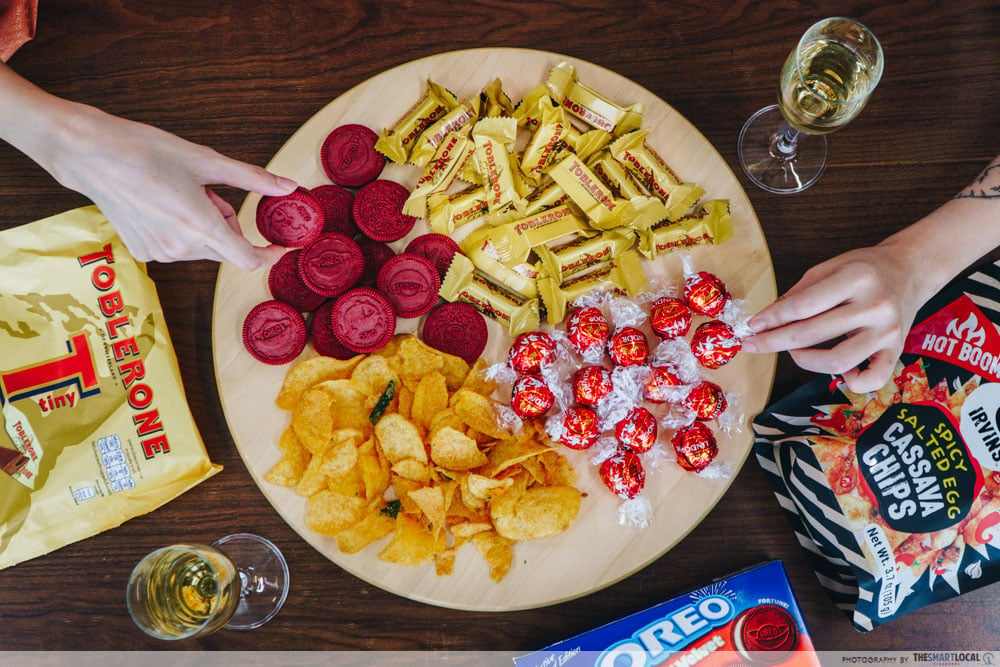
(825, 82)
(191, 590)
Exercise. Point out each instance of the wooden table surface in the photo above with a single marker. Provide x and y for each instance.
(242, 76)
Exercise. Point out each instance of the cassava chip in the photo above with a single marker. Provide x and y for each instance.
(294, 459)
(342, 455)
(349, 408)
(400, 439)
(444, 562)
(350, 483)
(374, 470)
(454, 369)
(511, 452)
(412, 543)
(453, 450)
(374, 526)
(475, 380)
(539, 512)
(414, 360)
(312, 420)
(465, 530)
(496, 551)
(412, 469)
(372, 375)
(404, 401)
(284, 473)
(429, 398)
(478, 412)
(432, 503)
(310, 372)
(328, 513)
(485, 488)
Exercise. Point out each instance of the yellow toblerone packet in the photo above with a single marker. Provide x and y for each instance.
(90, 390)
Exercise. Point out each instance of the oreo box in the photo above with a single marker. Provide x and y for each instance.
(748, 617)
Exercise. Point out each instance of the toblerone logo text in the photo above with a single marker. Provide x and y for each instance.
(46, 382)
(131, 367)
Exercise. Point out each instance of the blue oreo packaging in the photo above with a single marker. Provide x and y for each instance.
(895, 494)
(748, 617)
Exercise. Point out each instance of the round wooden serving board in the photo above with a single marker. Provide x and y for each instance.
(595, 551)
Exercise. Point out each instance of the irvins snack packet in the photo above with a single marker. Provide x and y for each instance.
(96, 429)
(895, 494)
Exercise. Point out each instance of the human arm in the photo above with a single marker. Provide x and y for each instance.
(870, 296)
(152, 185)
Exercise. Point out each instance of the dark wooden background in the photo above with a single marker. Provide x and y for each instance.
(242, 76)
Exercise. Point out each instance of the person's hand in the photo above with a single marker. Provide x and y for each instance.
(868, 297)
(153, 187)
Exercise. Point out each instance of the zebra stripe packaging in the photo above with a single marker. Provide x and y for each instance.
(895, 494)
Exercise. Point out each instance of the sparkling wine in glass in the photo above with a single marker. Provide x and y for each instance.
(824, 84)
(190, 590)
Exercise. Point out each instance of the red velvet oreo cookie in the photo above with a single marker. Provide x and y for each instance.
(286, 283)
(436, 247)
(349, 156)
(363, 320)
(456, 328)
(274, 332)
(331, 264)
(411, 282)
(291, 220)
(376, 254)
(378, 211)
(321, 334)
(337, 203)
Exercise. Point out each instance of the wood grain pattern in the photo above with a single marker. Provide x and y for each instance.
(573, 563)
(242, 76)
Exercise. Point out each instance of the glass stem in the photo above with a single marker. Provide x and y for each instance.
(784, 142)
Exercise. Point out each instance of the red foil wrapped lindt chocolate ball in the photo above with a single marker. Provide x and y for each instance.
(695, 446)
(661, 385)
(706, 401)
(531, 397)
(628, 347)
(530, 351)
(581, 428)
(714, 344)
(637, 431)
(623, 474)
(705, 293)
(670, 317)
(587, 328)
(591, 384)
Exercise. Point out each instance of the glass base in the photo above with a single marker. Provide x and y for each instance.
(774, 165)
(263, 575)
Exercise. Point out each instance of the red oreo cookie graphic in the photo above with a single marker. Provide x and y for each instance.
(411, 284)
(349, 157)
(286, 284)
(321, 334)
(376, 254)
(378, 211)
(331, 264)
(274, 332)
(438, 248)
(292, 220)
(363, 320)
(456, 328)
(337, 203)
(766, 634)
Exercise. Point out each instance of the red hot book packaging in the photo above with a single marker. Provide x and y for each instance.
(895, 494)
(95, 426)
(748, 618)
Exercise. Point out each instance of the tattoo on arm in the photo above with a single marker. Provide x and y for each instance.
(985, 186)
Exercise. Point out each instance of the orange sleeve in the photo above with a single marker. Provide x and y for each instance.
(17, 24)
